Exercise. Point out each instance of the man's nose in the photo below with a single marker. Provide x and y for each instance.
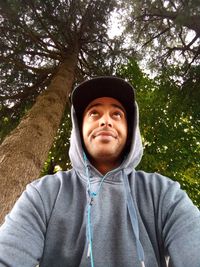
(105, 120)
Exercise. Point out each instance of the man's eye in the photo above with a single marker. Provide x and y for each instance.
(117, 114)
(93, 113)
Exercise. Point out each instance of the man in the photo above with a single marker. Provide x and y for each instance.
(102, 213)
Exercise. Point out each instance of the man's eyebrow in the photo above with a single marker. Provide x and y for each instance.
(120, 107)
(93, 105)
(100, 104)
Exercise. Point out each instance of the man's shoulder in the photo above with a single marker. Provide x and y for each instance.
(162, 190)
(154, 178)
(156, 185)
(50, 188)
(53, 182)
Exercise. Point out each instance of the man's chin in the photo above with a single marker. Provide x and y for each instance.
(105, 155)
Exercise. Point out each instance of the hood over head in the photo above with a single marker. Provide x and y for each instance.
(105, 86)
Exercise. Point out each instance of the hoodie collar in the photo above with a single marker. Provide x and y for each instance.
(130, 162)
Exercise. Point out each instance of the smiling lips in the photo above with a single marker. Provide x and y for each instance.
(105, 133)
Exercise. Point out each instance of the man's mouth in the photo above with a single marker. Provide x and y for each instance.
(105, 134)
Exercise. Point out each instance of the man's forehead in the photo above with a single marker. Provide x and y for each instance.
(101, 101)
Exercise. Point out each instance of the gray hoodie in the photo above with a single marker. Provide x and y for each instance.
(134, 217)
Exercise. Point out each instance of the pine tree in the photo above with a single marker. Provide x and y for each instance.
(46, 46)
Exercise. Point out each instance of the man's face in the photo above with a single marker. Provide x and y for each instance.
(104, 129)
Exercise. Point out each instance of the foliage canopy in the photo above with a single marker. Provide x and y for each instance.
(170, 124)
(165, 31)
(36, 37)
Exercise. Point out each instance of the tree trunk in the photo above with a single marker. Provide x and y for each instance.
(24, 151)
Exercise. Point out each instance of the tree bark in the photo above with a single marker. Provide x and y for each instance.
(24, 151)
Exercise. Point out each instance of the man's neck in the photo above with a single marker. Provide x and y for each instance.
(106, 166)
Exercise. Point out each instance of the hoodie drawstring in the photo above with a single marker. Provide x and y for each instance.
(134, 219)
(89, 235)
(131, 209)
(92, 195)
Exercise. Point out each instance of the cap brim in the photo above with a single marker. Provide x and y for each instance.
(105, 86)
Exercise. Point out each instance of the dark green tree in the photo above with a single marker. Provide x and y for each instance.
(45, 47)
(165, 31)
(170, 124)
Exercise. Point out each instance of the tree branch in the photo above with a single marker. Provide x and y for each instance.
(26, 92)
(53, 55)
(172, 3)
(21, 64)
(59, 46)
(193, 41)
(156, 36)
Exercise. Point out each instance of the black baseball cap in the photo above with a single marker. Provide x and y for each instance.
(104, 86)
